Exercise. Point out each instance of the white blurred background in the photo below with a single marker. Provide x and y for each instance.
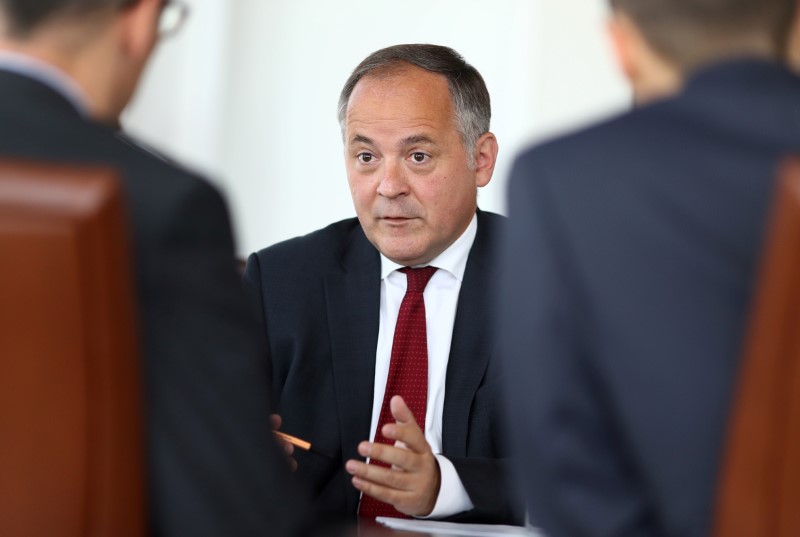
(247, 91)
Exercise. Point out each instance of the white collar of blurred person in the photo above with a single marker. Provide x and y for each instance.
(103, 52)
(47, 74)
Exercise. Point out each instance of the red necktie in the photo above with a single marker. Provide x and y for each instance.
(408, 373)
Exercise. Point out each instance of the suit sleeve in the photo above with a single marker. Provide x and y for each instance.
(255, 297)
(570, 460)
(486, 481)
(216, 469)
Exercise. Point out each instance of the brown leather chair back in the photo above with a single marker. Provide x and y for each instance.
(71, 457)
(759, 486)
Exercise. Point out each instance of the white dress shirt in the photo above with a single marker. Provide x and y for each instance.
(441, 300)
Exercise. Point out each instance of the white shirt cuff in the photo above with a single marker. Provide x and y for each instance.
(453, 497)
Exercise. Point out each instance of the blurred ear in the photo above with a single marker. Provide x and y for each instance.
(793, 52)
(134, 33)
(650, 74)
(625, 40)
(139, 28)
(485, 158)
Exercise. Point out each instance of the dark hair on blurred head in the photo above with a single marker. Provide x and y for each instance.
(468, 92)
(689, 33)
(24, 16)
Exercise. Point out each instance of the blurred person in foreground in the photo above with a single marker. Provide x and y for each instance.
(350, 362)
(629, 267)
(67, 70)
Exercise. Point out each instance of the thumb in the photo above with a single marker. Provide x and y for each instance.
(400, 411)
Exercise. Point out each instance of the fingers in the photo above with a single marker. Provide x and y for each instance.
(405, 430)
(411, 485)
(292, 463)
(400, 411)
(396, 456)
(412, 493)
(398, 498)
(276, 421)
(379, 475)
(288, 449)
(379, 492)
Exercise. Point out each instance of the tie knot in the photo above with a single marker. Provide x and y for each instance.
(417, 278)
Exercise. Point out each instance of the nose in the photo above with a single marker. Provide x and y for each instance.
(393, 182)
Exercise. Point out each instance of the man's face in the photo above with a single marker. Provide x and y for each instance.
(407, 167)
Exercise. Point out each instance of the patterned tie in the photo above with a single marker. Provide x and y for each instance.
(408, 373)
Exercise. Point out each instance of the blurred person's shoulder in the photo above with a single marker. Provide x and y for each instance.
(152, 175)
(321, 250)
(595, 143)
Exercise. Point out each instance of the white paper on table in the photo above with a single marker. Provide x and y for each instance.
(437, 527)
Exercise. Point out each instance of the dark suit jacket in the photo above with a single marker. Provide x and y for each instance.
(319, 298)
(629, 267)
(214, 468)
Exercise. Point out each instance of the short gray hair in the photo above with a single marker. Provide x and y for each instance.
(471, 103)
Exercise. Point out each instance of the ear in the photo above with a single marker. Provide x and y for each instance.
(793, 51)
(485, 158)
(139, 28)
(651, 75)
(625, 39)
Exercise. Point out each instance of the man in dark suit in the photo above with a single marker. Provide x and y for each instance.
(67, 69)
(629, 266)
(415, 124)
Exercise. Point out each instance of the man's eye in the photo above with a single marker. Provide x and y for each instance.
(419, 157)
(365, 157)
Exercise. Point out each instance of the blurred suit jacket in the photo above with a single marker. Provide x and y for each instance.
(628, 274)
(319, 298)
(213, 467)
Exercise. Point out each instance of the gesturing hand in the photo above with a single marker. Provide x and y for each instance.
(412, 483)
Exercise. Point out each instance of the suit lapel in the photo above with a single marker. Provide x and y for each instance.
(470, 347)
(353, 302)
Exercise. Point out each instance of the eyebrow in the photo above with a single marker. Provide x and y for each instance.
(405, 142)
(360, 139)
(416, 139)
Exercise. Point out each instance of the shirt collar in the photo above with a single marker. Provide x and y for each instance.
(47, 74)
(452, 260)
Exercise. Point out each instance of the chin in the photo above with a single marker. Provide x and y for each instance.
(401, 256)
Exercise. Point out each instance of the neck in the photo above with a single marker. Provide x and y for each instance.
(660, 78)
(658, 82)
(80, 61)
